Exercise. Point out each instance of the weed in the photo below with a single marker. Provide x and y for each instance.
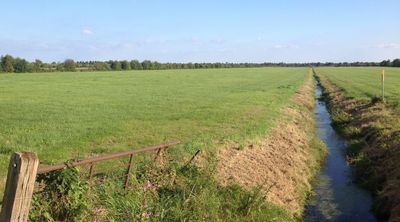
(63, 198)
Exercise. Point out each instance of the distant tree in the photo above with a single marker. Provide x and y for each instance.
(10, 64)
(115, 65)
(385, 63)
(59, 66)
(37, 65)
(69, 65)
(7, 63)
(101, 66)
(29, 67)
(135, 64)
(20, 65)
(147, 64)
(157, 65)
(396, 63)
(125, 65)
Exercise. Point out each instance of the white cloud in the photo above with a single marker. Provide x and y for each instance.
(87, 31)
(195, 40)
(388, 46)
(279, 46)
(218, 41)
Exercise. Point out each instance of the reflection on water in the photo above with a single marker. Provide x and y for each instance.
(336, 197)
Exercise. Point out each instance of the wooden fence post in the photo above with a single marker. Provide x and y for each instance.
(383, 85)
(19, 187)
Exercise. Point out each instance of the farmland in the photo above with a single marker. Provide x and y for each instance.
(70, 115)
(363, 83)
(200, 111)
(61, 116)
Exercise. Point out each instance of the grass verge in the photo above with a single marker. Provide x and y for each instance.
(372, 128)
(283, 163)
(158, 192)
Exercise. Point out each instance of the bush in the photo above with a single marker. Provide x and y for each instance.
(63, 198)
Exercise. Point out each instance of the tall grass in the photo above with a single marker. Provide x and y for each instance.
(160, 193)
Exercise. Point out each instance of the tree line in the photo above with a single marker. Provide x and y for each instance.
(10, 64)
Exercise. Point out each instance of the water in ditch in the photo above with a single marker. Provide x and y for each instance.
(336, 197)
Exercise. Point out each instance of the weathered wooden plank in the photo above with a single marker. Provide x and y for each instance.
(19, 187)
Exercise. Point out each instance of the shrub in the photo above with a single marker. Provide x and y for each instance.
(63, 198)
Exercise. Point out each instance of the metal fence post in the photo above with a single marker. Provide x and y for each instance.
(128, 172)
(91, 171)
(159, 152)
(20, 184)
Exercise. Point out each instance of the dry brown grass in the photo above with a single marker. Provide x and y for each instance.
(278, 163)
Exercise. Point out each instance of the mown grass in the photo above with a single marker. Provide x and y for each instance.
(61, 116)
(72, 115)
(364, 83)
(64, 115)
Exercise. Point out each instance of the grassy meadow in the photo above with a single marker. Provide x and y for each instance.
(68, 115)
(364, 83)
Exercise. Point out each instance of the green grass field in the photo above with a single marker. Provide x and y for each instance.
(68, 115)
(365, 83)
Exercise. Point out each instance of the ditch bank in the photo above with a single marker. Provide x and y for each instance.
(372, 129)
(285, 162)
(335, 196)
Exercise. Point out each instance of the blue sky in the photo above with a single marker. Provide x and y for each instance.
(201, 31)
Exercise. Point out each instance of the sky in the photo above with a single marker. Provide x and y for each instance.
(201, 31)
